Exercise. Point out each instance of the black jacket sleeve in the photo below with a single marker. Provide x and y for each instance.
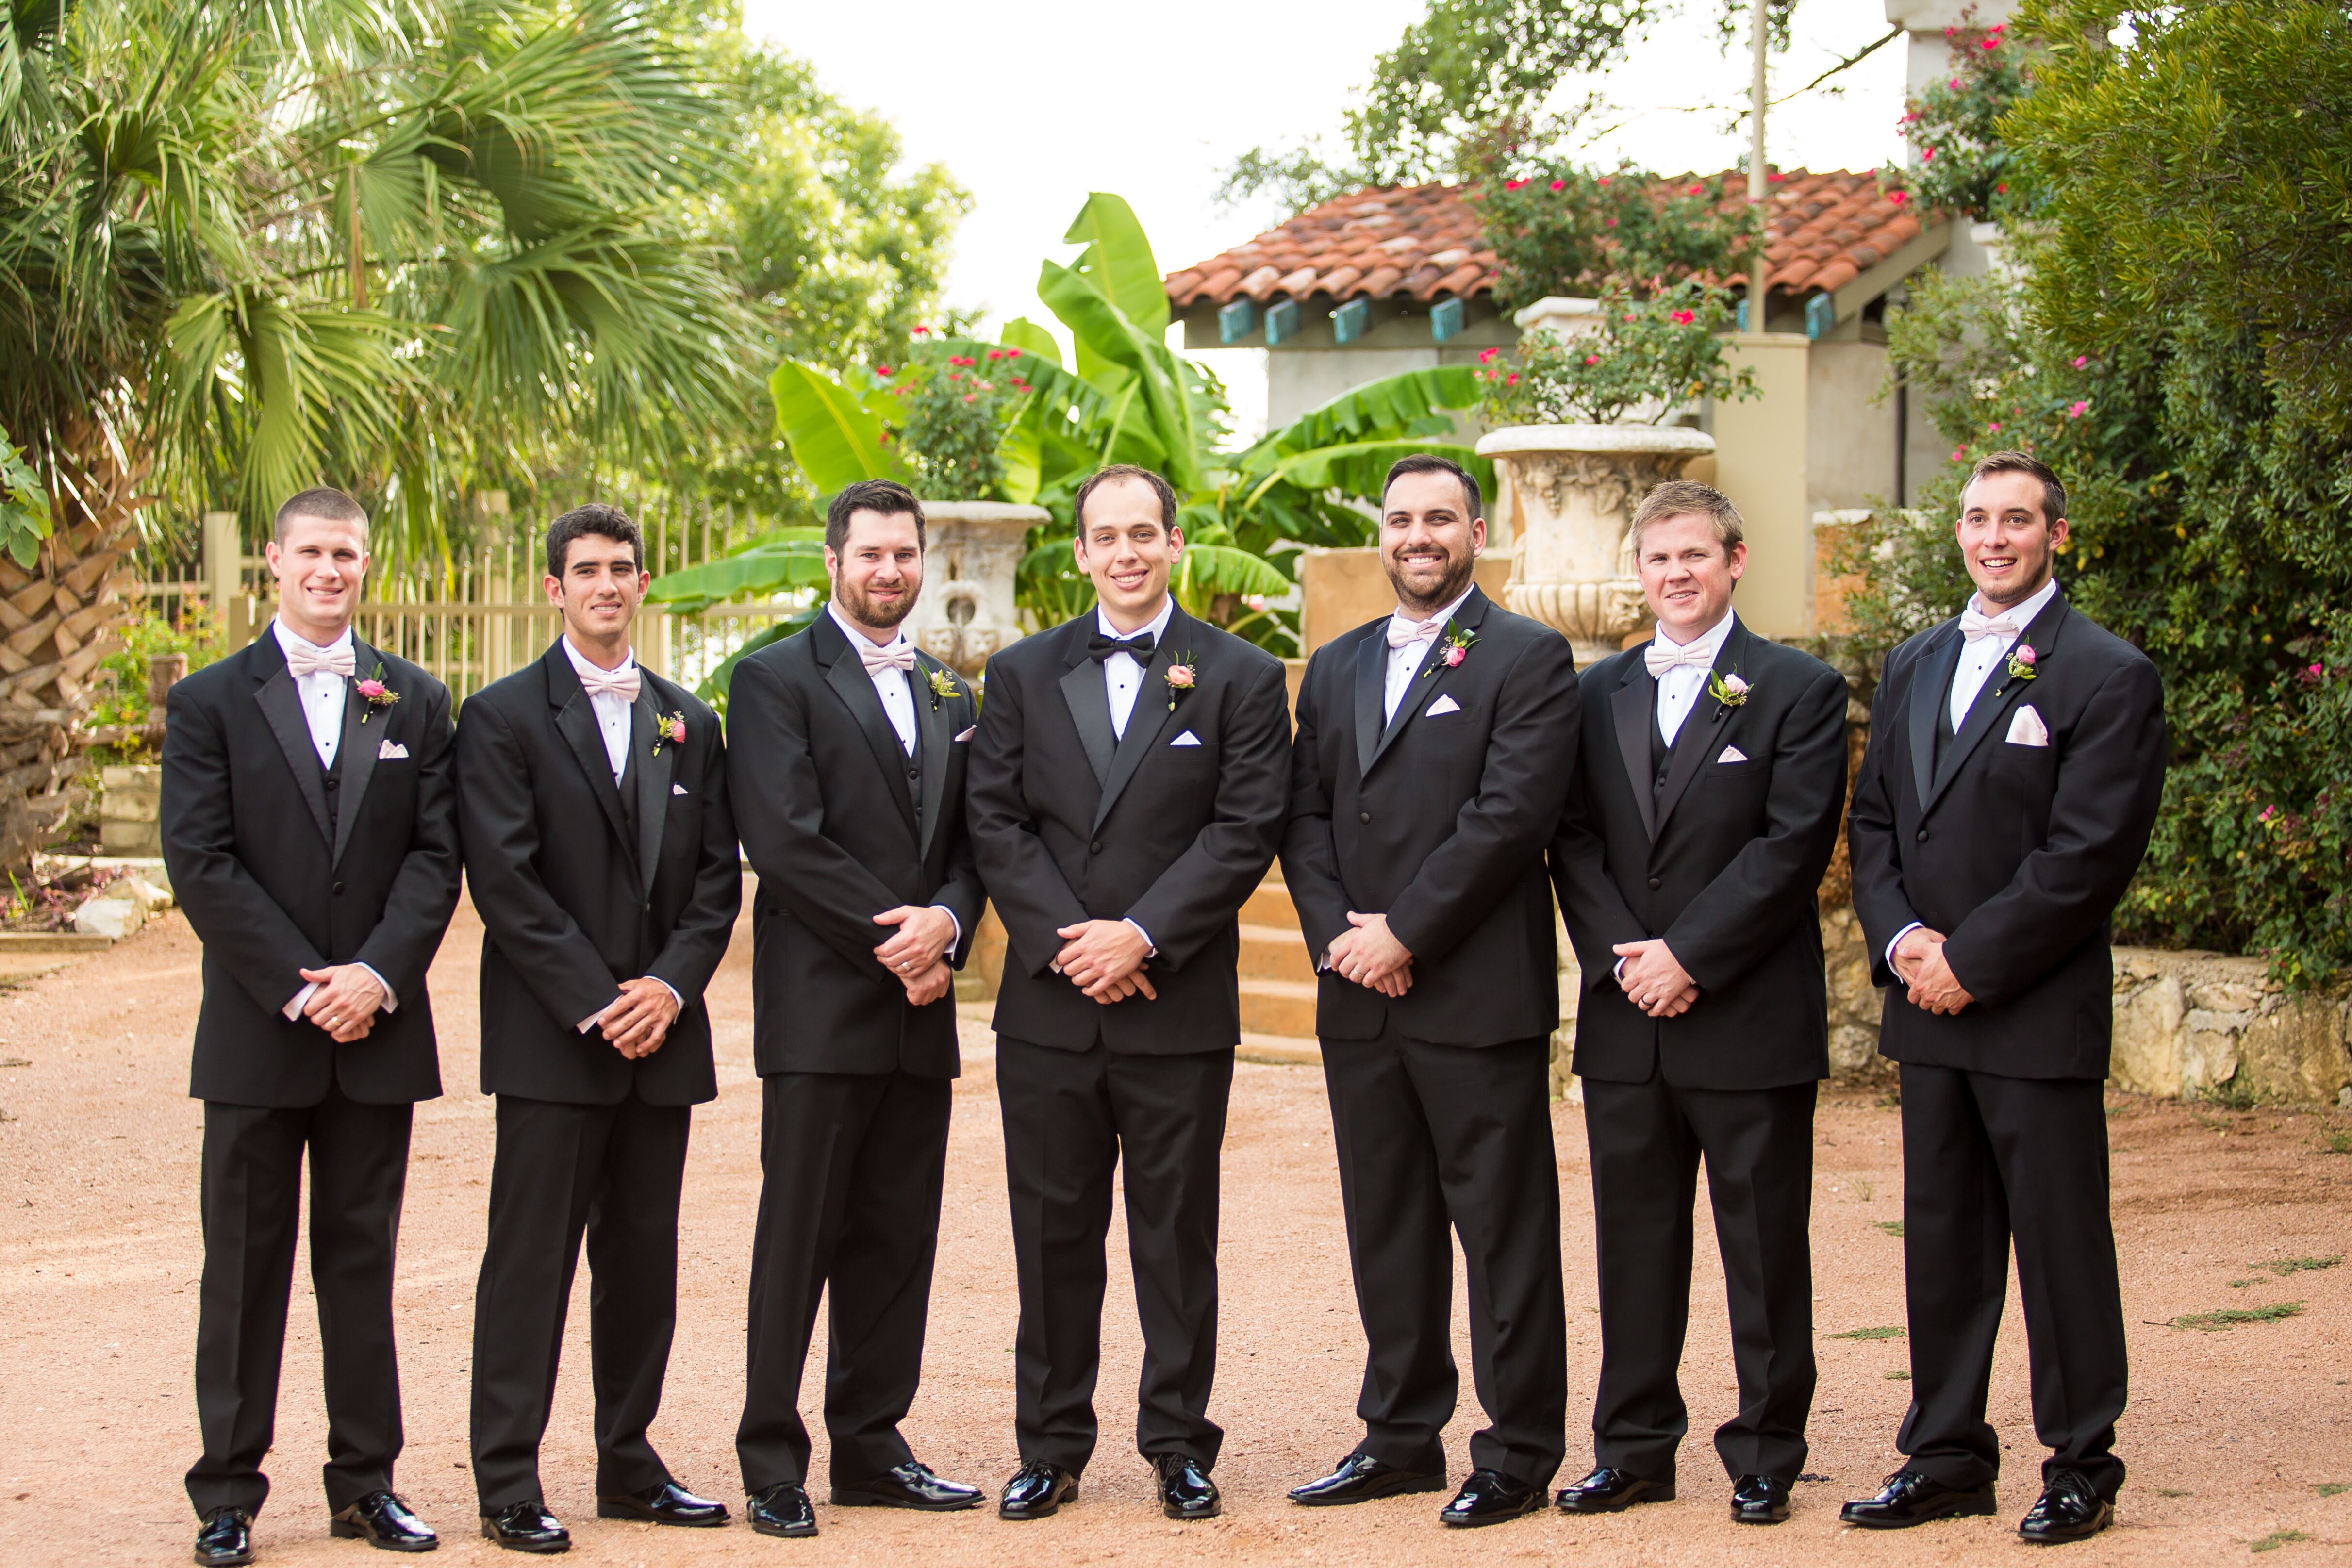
(425, 890)
(1030, 892)
(1310, 859)
(698, 940)
(1879, 898)
(1591, 905)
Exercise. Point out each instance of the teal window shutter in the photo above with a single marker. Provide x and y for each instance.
(1446, 320)
(1236, 321)
(1821, 315)
(1281, 322)
(1351, 320)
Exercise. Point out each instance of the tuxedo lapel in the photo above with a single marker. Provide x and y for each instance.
(2001, 689)
(1087, 694)
(652, 763)
(1629, 705)
(1695, 742)
(363, 732)
(282, 705)
(847, 676)
(1372, 693)
(1145, 720)
(1931, 679)
(575, 720)
(931, 749)
(1428, 675)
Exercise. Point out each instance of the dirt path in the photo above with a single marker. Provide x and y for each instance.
(2233, 1436)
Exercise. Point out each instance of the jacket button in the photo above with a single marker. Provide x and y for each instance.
(1095, 848)
(1654, 884)
(1923, 835)
(914, 773)
(338, 888)
(1363, 816)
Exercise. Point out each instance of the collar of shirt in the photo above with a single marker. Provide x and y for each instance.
(898, 698)
(2022, 614)
(1979, 658)
(581, 664)
(1712, 639)
(287, 635)
(857, 634)
(612, 713)
(1678, 688)
(1158, 627)
(1415, 649)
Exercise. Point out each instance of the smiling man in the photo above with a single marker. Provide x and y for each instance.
(1126, 796)
(1713, 776)
(601, 856)
(2015, 765)
(1435, 747)
(311, 835)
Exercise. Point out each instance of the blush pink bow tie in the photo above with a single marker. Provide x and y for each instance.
(1403, 633)
(896, 655)
(621, 682)
(303, 658)
(1662, 655)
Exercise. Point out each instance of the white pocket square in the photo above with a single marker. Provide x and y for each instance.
(389, 751)
(1187, 738)
(2026, 728)
(1732, 754)
(969, 730)
(677, 788)
(1444, 704)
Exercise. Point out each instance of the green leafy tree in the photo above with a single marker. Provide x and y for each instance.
(1556, 227)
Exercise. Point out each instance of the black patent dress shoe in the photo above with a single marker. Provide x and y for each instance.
(1759, 1499)
(383, 1520)
(781, 1510)
(1909, 1498)
(526, 1527)
(668, 1503)
(1490, 1497)
(1360, 1478)
(2068, 1509)
(1185, 1490)
(1607, 1491)
(225, 1538)
(910, 1485)
(1036, 1491)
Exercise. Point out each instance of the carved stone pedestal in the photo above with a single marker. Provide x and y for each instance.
(971, 550)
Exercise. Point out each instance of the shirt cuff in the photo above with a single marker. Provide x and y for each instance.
(293, 1009)
(593, 1020)
(1150, 949)
(950, 914)
(1914, 925)
(1617, 971)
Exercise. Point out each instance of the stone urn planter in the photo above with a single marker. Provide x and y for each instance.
(1566, 498)
(971, 550)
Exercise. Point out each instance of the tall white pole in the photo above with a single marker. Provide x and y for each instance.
(1757, 190)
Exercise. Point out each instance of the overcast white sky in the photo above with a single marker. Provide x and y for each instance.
(1034, 104)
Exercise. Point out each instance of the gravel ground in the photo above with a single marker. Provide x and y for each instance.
(2237, 1438)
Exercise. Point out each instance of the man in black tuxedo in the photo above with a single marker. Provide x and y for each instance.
(2015, 765)
(1126, 798)
(1712, 776)
(311, 837)
(1435, 747)
(600, 856)
(848, 757)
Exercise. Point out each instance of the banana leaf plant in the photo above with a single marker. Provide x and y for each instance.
(1127, 397)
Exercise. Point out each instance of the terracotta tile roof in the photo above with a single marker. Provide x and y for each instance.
(1426, 241)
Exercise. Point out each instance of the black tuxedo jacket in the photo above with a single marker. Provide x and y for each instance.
(1438, 821)
(2016, 852)
(580, 888)
(1723, 861)
(842, 824)
(1071, 823)
(278, 875)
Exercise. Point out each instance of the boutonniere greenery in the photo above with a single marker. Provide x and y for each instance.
(2022, 662)
(943, 684)
(1452, 651)
(670, 729)
(1179, 677)
(1727, 689)
(379, 695)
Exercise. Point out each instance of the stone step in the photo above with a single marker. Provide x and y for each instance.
(1274, 952)
(1278, 1050)
(1278, 1007)
(1270, 904)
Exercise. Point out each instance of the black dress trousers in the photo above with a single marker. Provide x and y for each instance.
(1439, 1138)
(1071, 1117)
(1988, 1160)
(1647, 1140)
(614, 1172)
(251, 1202)
(852, 1166)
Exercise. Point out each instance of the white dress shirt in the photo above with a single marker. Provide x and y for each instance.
(1404, 661)
(897, 696)
(1978, 661)
(1122, 676)
(323, 696)
(612, 713)
(1679, 688)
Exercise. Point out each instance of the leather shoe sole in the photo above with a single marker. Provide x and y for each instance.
(1747, 1514)
(860, 1496)
(535, 1548)
(1952, 1505)
(1573, 1501)
(630, 1507)
(2060, 1535)
(783, 1532)
(343, 1530)
(1401, 1484)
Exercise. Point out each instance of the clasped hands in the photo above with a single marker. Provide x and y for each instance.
(917, 953)
(636, 1025)
(345, 1002)
(1104, 958)
(1371, 956)
(1654, 979)
(1918, 962)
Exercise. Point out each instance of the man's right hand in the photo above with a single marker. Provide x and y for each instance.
(1912, 951)
(930, 985)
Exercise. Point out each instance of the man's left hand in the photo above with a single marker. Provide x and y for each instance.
(1652, 975)
(925, 933)
(346, 1001)
(1371, 953)
(636, 1025)
(1934, 985)
(1099, 953)
(928, 986)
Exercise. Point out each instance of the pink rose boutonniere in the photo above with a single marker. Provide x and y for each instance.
(670, 729)
(942, 684)
(2022, 663)
(1452, 652)
(378, 696)
(1727, 689)
(1179, 677)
